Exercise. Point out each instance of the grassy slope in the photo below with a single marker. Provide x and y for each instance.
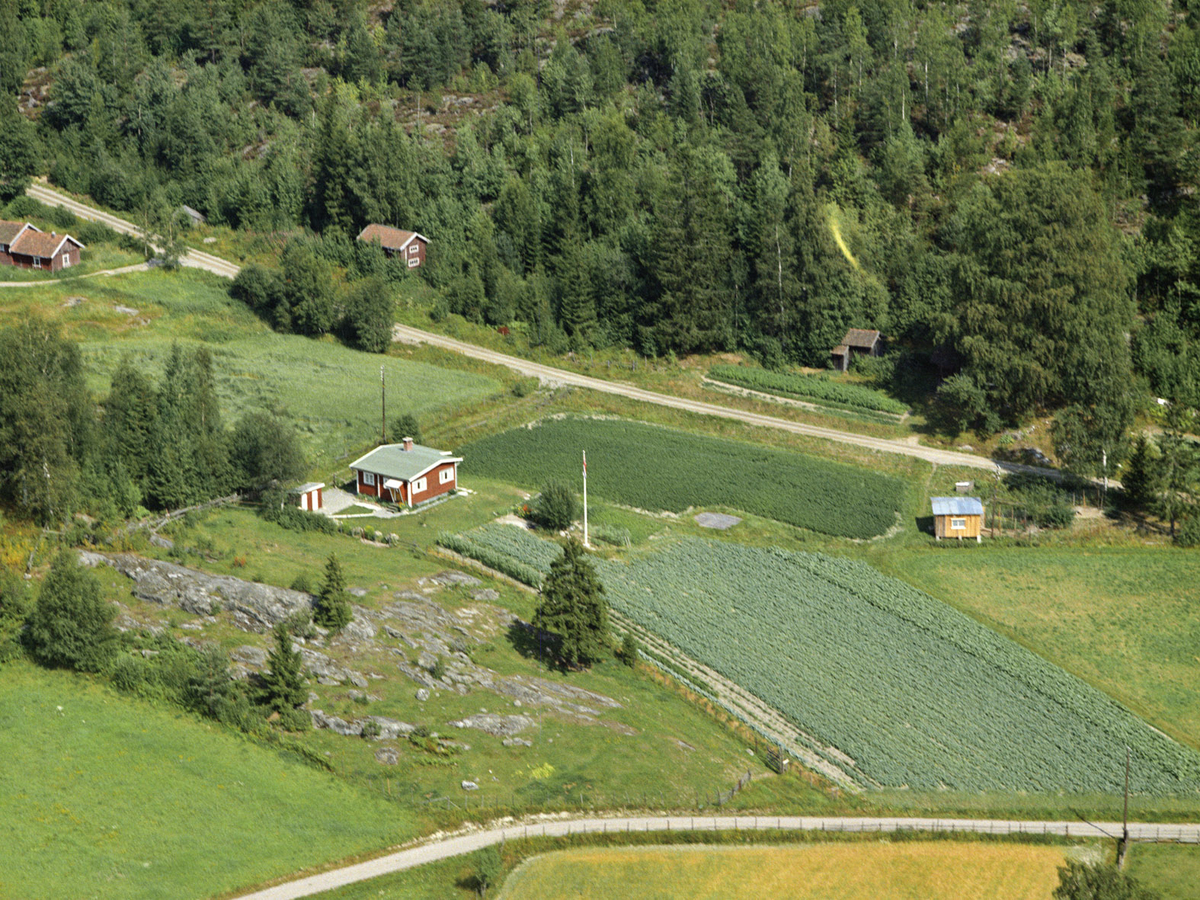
(568, 758)
(1122, 619)
(104, 796)
(330, 391)
(850, 871)
(1173, 870)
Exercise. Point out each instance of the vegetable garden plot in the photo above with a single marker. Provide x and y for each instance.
(818, 388)
(915, 693)
(659, 468)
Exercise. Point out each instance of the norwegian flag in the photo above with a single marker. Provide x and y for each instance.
(585, 464)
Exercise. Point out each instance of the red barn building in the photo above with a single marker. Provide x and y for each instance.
(408, 245)
(407, 473)
(28, 247)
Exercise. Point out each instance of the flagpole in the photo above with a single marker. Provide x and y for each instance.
(585, 527)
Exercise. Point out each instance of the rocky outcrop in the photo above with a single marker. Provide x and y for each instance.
(251, 606)
(497, 725)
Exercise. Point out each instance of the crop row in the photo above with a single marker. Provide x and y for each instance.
(915, 693)
(649, 467)
(807, 387)
(500, 547)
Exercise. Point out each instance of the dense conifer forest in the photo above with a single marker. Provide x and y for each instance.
(1006, 190)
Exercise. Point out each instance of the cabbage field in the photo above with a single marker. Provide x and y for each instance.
(913, 692)
(649, 467)
(817, 388)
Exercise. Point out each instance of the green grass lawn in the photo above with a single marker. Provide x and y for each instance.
(1173, 870)
(1124, 619)
(330, 391)
(105, 796)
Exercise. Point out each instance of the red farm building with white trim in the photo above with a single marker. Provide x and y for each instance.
(408, 245)
(28, 247)
(406, 474)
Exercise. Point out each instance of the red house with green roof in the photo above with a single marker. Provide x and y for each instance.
(406, 473)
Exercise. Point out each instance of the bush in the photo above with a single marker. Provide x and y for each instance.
(371, 730)
(555, 507)
(276, 509)
(265, 449)
(438, 669)
(14, 607)
(96, 233)
(629, 650)
(295, 720)
(405, 425)
(71, 625)
(1188, 534)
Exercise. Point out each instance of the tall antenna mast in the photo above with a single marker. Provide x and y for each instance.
(382, 407)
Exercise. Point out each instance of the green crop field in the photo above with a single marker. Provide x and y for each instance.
(657, 468)
(103, 796)
(1122, 618)
(330, 391)
(916, 694)
(817, 388)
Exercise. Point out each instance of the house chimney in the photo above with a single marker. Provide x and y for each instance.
(408, 443)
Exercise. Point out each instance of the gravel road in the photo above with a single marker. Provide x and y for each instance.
(443, 847)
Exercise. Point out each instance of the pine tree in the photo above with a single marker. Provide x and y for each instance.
(333, 603)
(282, 687)
(574, 608)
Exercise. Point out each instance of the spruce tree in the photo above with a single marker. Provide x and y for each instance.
(573, 607)
(333, 603)
(282, 687)
(71, 625)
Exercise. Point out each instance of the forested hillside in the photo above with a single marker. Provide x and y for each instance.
(1006, 190)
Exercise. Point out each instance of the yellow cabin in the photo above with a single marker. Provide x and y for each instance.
(957, 517)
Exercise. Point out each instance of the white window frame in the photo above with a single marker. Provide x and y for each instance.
(958, 523)
(446, 475)
(369, 478)
(413, 262)
(420, 485)
(37, 262)
(66, 260)
(414, 250)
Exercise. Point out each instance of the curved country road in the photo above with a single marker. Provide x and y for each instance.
(457, 845)
(195, 259)
(408, 334)
(200, 260)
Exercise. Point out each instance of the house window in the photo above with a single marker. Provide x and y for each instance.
(66, 260)
(413, 261)
(414, 250)
(369, 478)
(958, 524)
(419, 486)
(37, 262)
(445, 475)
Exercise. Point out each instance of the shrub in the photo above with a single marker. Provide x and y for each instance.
(405, 425)
(301, 583)
(96, 233)
(1188, 534)
(629, 650)
(131, 673)
(438, 669)
(71, 625)
(371, 729)
(555, 507)
(294, 720)
(14, 607)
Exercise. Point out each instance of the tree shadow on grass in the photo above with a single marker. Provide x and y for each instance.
(533, 643)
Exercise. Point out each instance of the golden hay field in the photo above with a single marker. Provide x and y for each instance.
(858, 871)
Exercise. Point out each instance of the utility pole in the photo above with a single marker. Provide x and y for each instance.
(1124, 848)
(382, 407)
(585, 524)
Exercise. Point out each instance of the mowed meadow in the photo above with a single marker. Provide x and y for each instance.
(853, 871)
(103, 796)
(329, 391)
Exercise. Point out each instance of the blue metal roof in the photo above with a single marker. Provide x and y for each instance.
(957, 506)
